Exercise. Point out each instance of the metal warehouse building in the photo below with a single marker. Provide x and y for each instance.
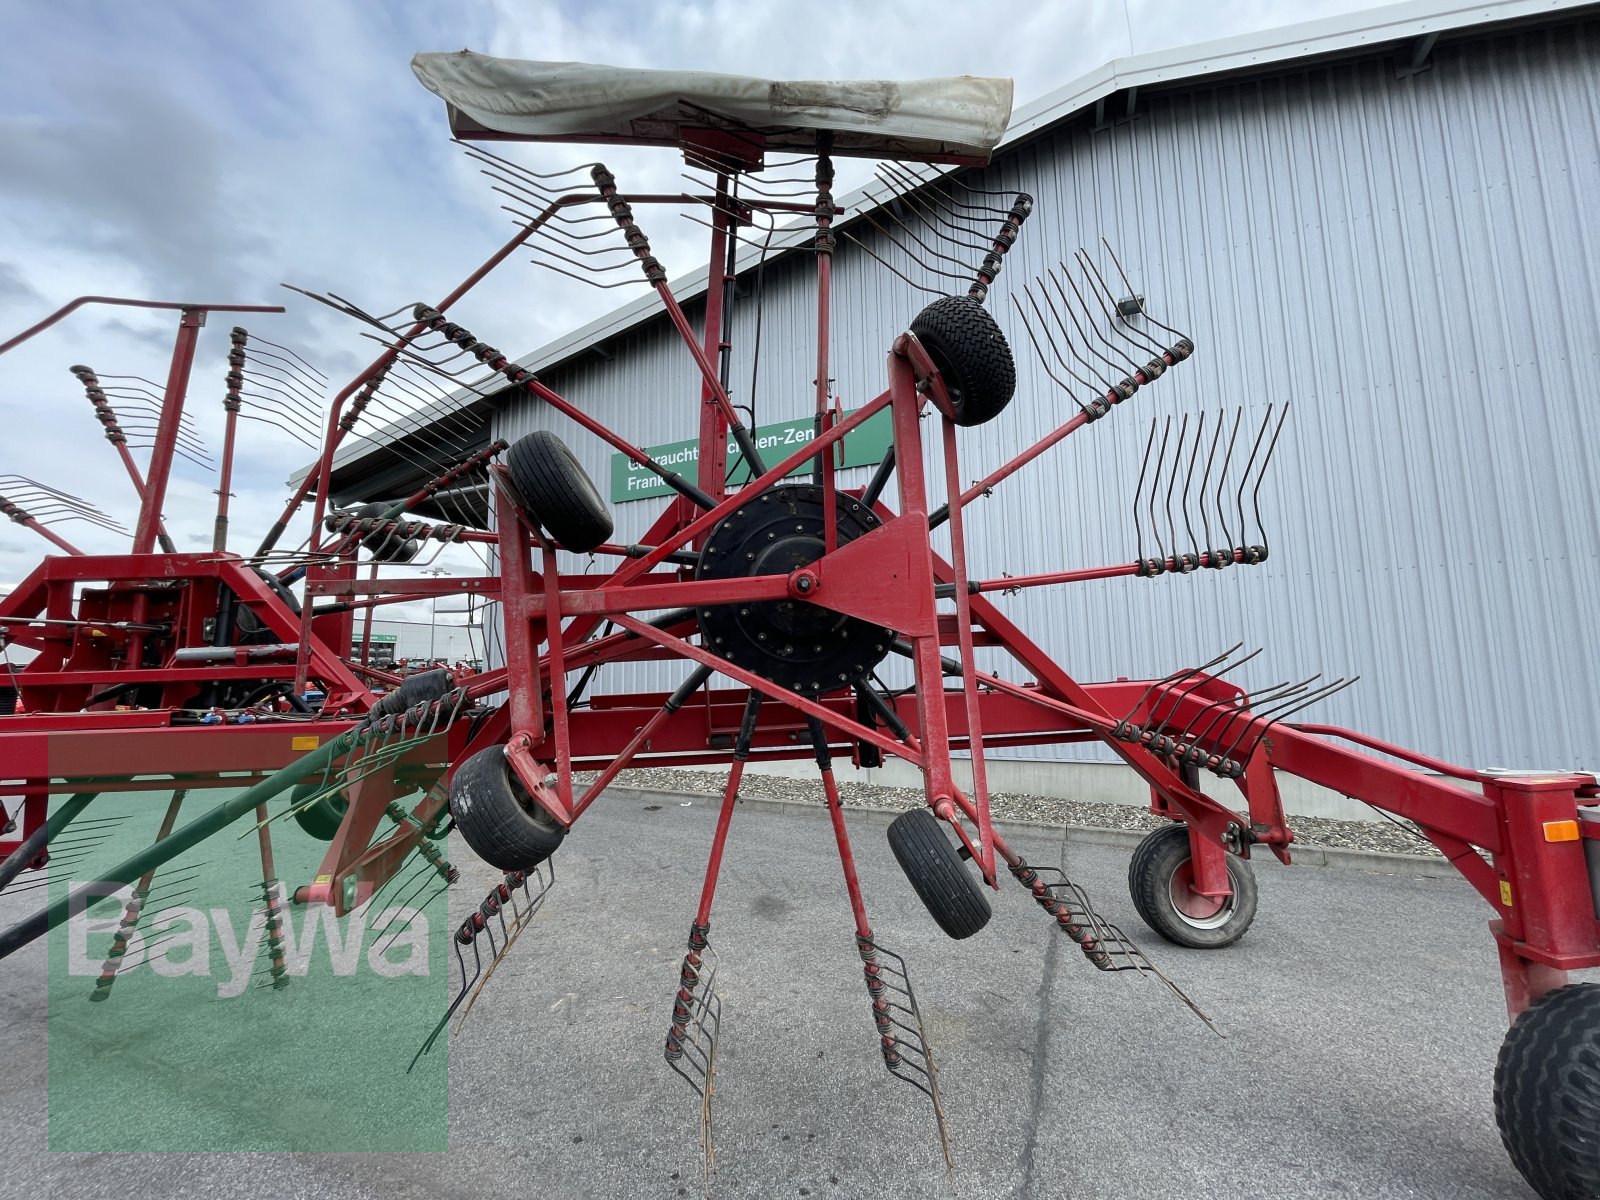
(1388, 220)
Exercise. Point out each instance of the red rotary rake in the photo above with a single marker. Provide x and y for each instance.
(798, 595)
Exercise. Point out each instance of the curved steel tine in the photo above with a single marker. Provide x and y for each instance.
(1065, 366)
(1181, 673)
(870, 219)
(597, 269)
(581, 279)
(1268, 695)
(905, 183)
(1222, 477)
(1205, 480)
(256, 339)
(890, 267)
(1177, 466)
(1255, 496)
(1155, 483)
(1194, 459)
(1321, 694)
(1034, 303)
(1039, 351)
(294, 433)
(1249, 468)
(916, 207)
(1138, 491)
(1128, 366)
(1108, 302)
(1292, 692)
(1144, 312)
(272, 366)
(1110, 388)
(1215, 670)
(484, 154)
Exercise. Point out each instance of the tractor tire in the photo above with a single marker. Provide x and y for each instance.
(558, 492)
(322, 818)
(497, 818)
(1159, 879)
(1547, 1093)
(935, 868)
(973, 358)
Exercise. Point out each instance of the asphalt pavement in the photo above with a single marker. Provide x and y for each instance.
(1363, 1013)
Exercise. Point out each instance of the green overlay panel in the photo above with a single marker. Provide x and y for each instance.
(193, 1048)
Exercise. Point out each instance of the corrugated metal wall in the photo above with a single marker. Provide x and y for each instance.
(1414, 262)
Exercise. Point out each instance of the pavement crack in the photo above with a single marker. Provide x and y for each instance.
(1039, 1059)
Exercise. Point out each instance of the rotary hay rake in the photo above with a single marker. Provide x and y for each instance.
(799, 592)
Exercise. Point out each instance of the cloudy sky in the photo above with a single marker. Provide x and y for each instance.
(190, 150)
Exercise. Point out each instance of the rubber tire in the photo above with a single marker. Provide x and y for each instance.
(558, 492)
(322, 819)
(1547, 1093)
(973, 358)
(248, 629)
(496, 817)
(936, 870)
(1150, 872)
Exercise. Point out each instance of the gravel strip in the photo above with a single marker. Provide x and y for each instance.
(1381, 836)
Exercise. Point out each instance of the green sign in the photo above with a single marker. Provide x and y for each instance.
(862, 447)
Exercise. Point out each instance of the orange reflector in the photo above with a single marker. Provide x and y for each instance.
(311, 743)
(1560, 831)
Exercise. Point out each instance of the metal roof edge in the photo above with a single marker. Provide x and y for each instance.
(1243, 52)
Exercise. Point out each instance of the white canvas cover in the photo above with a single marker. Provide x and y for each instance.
(960, 117)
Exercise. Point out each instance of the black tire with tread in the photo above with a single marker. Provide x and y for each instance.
(322, 818)
(936, 870)
(496, 817)
(972, 355)
(1547, 1093)
(1150, 871)
(558, 492)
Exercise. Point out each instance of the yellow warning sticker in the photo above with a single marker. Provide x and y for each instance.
(1505, 893)
(304, 743)
(323, 879)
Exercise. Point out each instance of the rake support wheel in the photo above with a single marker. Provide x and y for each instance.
(496, 817)
(558, 492)
(1159, 880)
(1547, 1093)
(973, 358)
(322, 818)
(934, 866)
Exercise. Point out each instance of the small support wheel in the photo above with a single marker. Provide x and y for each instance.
(972, 355)
(1161, 882)
(934, 866)
(320, 818)
(558, 492)
(497, 818)
(1547, 1093)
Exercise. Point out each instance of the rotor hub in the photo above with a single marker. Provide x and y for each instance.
(796, 644)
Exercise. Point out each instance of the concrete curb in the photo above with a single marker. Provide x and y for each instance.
(1381, 862)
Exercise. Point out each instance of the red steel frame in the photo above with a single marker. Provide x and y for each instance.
(1531, 869)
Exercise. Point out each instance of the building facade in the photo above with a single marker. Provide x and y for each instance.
(1389, 227)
